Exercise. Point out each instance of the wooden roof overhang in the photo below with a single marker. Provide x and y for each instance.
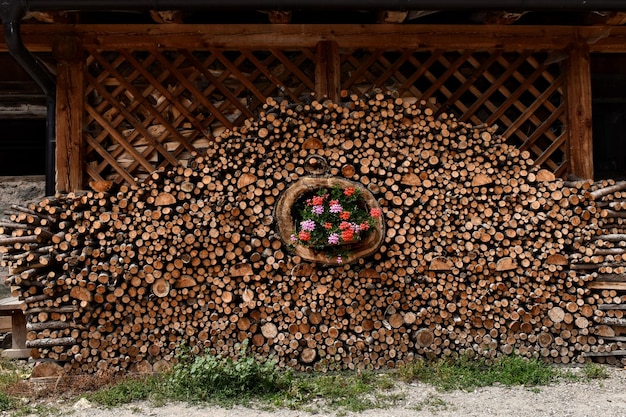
(41, 38)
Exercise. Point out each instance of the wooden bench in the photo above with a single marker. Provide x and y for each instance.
(12, 307)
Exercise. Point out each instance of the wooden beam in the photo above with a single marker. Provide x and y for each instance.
(69, 114)
(22, 111)
(578, 96)
(38, 38)
(327, 70)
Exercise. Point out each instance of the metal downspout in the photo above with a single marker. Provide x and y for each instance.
(12, 13)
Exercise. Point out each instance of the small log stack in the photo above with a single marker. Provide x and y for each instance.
(483, 252)
(603, 264)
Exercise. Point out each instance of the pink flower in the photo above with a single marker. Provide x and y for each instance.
(333, 239)
(317, 210)
(339, 260)
(336, 208)
(308, 225)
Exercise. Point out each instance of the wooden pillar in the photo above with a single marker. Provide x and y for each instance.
(69, 114)
(578, 94)
(327, 70)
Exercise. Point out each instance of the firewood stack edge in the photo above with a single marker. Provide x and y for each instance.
(483, 252)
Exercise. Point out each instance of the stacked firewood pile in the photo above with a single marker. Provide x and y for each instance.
(603, 263)
(477, 254)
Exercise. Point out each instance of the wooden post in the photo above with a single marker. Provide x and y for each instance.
(327, 70)
(578, 95)
(69, 114)
(12, 307)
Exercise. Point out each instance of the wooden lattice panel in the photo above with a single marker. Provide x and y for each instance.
(516, 91)
(151, 109)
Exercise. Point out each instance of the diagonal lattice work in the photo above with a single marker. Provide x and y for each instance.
(516, 91)
(150, 109)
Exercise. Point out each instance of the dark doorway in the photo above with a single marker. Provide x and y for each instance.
(608, 86)
(22, 147)
(22, 121)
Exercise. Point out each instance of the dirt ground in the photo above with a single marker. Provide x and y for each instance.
(598, 398)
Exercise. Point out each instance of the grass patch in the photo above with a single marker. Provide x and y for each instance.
(130, 390)
(10, 374)
(348, 391)
(468, 374)
(595, 371)
(244, 380)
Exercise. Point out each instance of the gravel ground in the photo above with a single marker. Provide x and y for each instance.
(597, 398)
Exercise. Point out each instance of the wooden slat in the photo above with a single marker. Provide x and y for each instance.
(604, 354)
(611, 306)
(185, 82)
(69, 115)
(451, 69)
(580, 143)
(619, 286)
(496, 84)
(216, 84)
(327, 70)
(469, 82)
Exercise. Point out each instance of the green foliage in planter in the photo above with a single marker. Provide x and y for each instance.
(332, 218)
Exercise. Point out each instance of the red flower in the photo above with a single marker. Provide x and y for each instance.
(375, 212)
(364, 226)
(347, 235)
(345, 215)
(318, 200)
(349, 191)
(328, 225)
(304, 235)
(344, 225)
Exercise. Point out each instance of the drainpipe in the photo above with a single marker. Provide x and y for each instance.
(12, 12)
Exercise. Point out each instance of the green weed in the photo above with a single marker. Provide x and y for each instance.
(595, 371)
(211, 378)
(129, 390)
(470, 373)
(349, 391)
